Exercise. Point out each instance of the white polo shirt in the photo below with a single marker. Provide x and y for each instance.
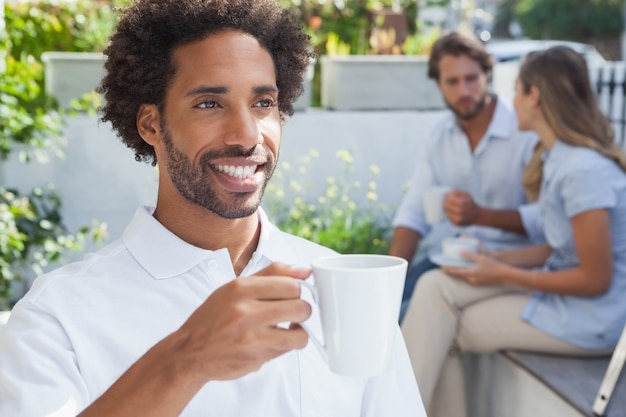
(81, 326)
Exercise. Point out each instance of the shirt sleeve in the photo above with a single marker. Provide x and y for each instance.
(584, 189)
(410, 213)
(394, 393)
(33, 384)
(532, 222)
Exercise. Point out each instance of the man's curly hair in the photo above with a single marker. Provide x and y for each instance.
(139, 68)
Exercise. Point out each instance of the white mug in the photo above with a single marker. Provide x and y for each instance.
(432, 200)
(359, 301)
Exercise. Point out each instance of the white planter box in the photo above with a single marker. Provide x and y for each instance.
(69, 75)
(378, 82)
(304, 101)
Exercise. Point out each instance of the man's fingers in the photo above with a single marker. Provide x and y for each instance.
(268, 287)
(284, 340)
(286, 270)
(281, 311)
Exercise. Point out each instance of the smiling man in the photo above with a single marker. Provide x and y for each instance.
(185, 314)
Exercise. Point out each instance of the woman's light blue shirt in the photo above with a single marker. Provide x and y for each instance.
(575, 180)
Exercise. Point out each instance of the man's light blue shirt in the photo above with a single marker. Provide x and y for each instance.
(575, 180)
(491, 174)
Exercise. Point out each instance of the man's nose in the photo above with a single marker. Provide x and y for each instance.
(464, 88)
(244, 129)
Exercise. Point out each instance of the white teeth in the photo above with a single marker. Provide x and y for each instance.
(240, 172)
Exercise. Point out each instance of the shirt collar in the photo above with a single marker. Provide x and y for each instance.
(164, 255)
(503, 122)
(272, 247)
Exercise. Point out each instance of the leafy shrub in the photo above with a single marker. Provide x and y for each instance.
(53, 25)
(344, 216)
(577, 20)
(32, 233)
(27, 116)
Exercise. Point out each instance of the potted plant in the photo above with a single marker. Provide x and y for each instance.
(68, 38)
(372, 55)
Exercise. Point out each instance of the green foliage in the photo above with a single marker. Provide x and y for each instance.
(52, 25)
(32, 233)
(341, 27)
(421, 42)
(331, 217)
(577, 20)
(349, 21)
(335, 46)
(29, 117)
(505, 15)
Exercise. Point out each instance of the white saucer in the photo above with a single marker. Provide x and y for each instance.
(441, 260)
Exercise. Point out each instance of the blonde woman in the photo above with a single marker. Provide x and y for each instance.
(565, 296)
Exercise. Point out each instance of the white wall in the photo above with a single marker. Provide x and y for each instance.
(100, 180)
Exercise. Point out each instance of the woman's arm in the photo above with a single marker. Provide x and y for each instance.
(529, 257)
(592, 276)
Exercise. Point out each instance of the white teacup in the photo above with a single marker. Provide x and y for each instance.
(432, 200)
(359, 300)
(452, 247)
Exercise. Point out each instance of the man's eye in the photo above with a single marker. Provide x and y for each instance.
(209, 104)
(267, 103)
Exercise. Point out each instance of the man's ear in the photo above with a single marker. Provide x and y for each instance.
(149, 123)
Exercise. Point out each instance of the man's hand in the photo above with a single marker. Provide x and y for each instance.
(461, 208)
(234, 332)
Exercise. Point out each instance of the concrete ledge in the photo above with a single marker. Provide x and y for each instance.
(519, 384)
(576, 380)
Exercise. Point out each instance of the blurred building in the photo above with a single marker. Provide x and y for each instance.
(476, 16)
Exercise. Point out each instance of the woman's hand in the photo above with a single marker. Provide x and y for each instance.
(485, 271)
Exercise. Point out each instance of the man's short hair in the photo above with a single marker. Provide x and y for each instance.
(457, 44)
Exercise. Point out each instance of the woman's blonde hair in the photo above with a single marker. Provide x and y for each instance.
(569, 106)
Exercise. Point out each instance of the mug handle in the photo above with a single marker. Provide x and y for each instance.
(320, 346)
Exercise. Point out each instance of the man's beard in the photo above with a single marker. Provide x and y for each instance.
(480, 104)
(197, 185)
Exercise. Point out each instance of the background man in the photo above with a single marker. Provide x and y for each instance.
(184, 315)
(477, 150)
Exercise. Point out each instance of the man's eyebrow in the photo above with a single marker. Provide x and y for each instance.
(206, 90)
(265, 89)
(223, 90)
